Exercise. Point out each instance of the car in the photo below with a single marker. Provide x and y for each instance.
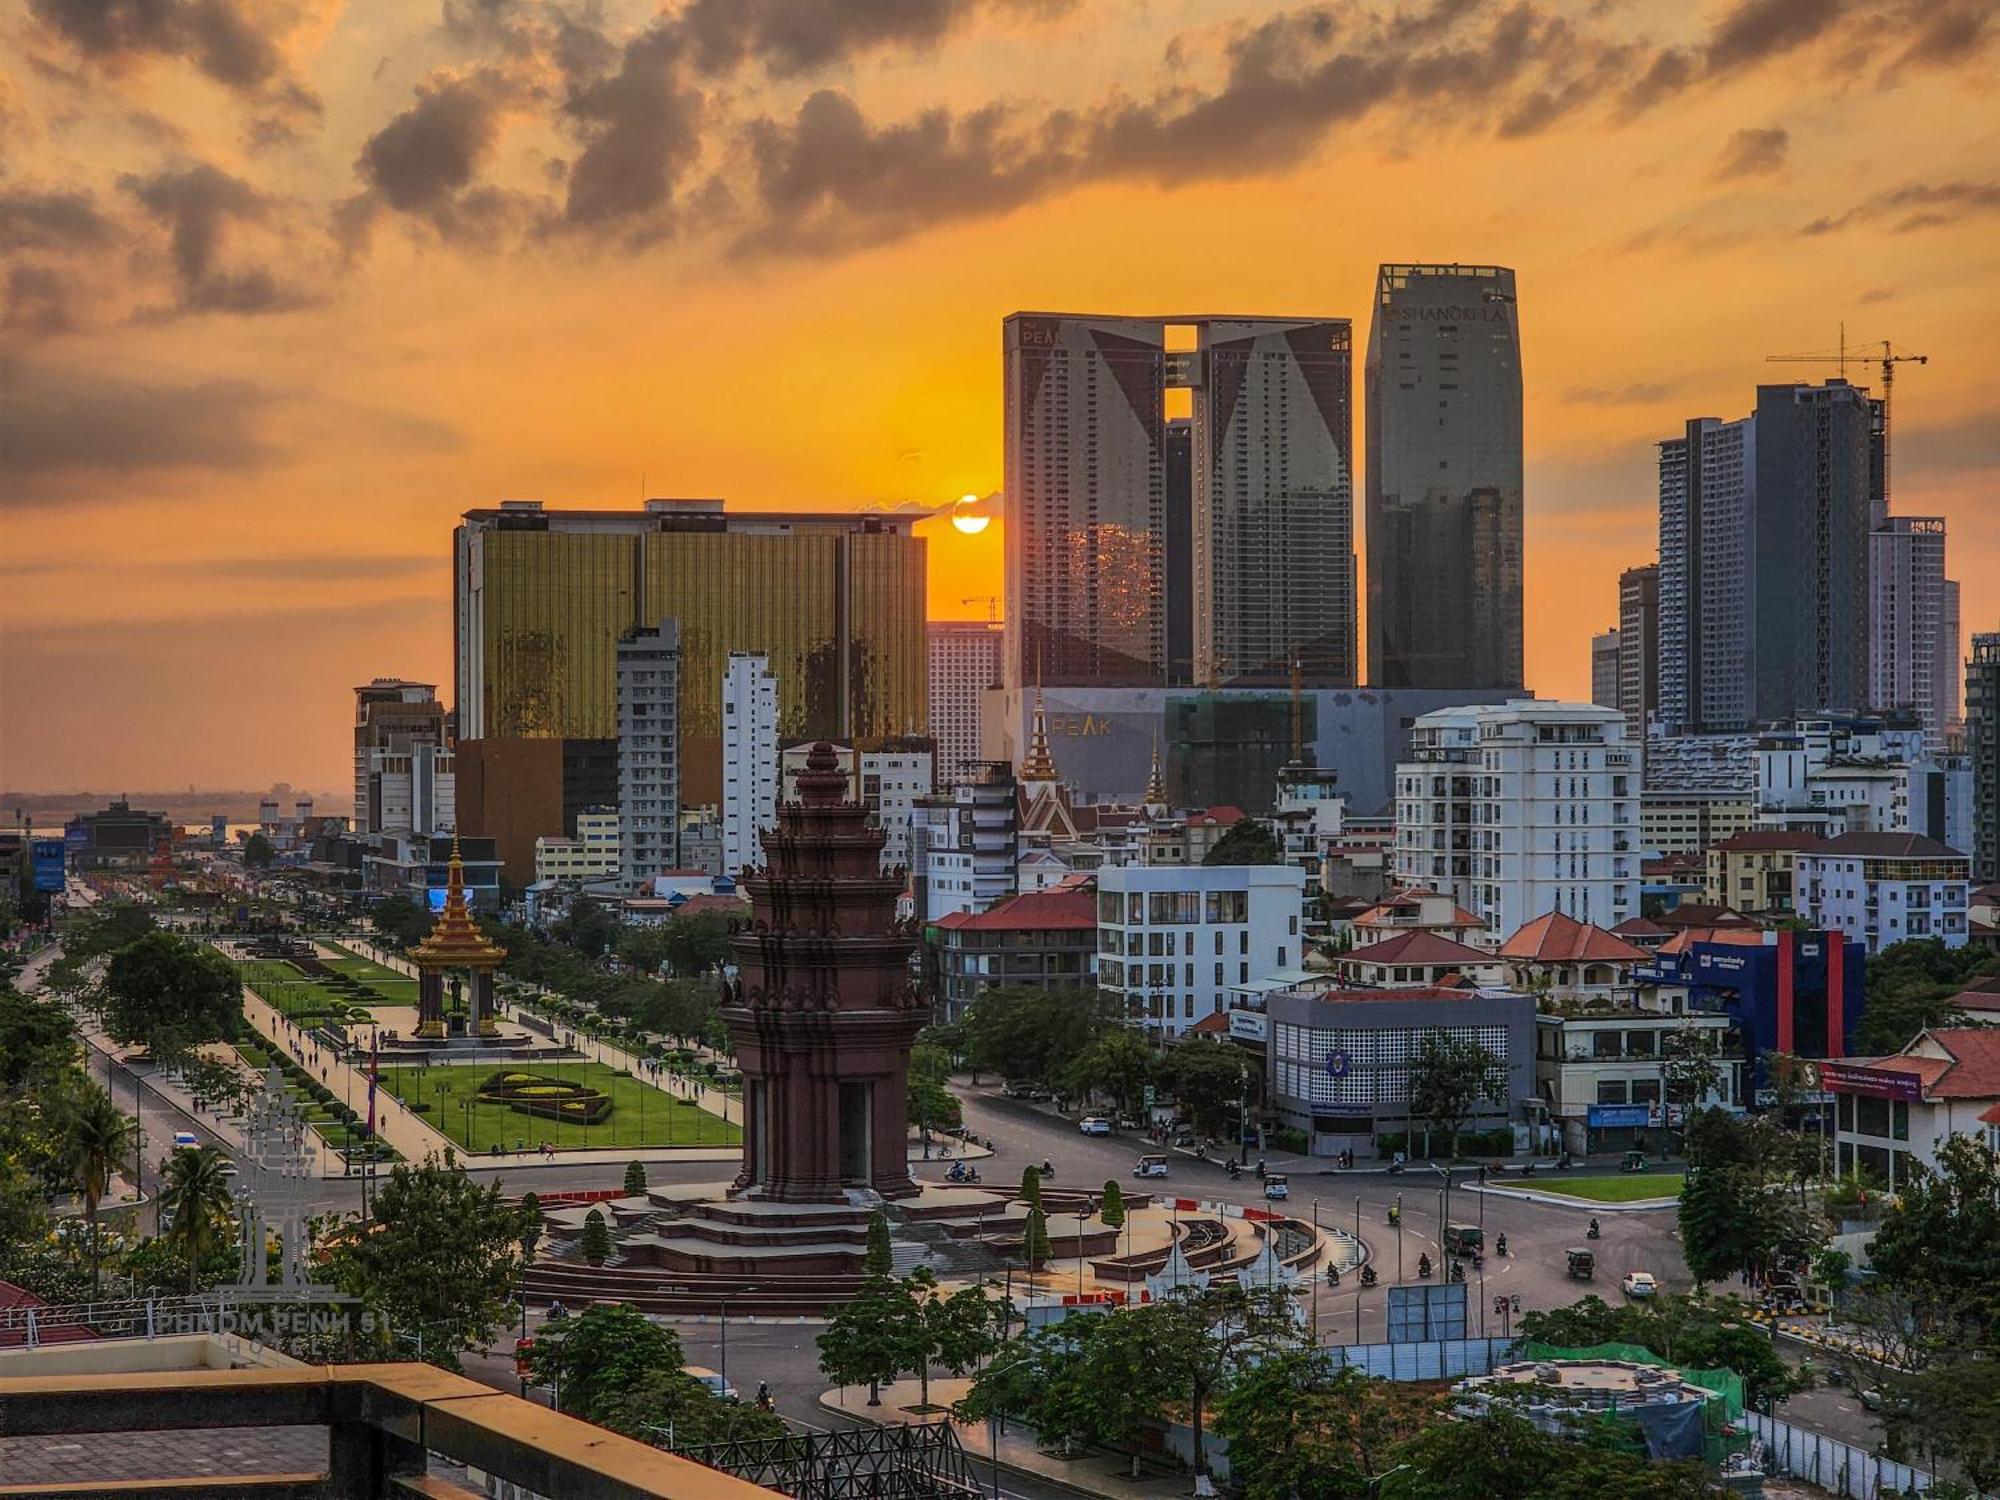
(185, 1140)
(1639, 1284)
(230, 1169)
(1094, 1125)
(713, 1383)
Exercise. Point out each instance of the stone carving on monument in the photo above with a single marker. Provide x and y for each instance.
(823, 1010)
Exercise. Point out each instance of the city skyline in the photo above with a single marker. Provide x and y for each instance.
(302, 418)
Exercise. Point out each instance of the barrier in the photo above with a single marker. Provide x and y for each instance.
(1431, 1359)
(1841, 1468)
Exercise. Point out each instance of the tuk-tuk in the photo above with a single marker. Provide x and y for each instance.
(1635, 1161)
(1582, 1264)
(1150, 1166)
(1275, 1185)
(1464, 1239)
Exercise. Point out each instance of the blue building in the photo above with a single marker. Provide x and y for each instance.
(1789, 990)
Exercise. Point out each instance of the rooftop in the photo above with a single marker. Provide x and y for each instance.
(1421, 946)
(1558, 938)
(1958, 1062)
(1064, 908)
(1886, 846)
(1768, 838)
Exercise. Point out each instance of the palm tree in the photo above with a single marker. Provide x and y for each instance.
(196, 1192)
(96, 1136)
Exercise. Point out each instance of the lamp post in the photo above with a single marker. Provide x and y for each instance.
(1082, 1218)
(1399, 1237)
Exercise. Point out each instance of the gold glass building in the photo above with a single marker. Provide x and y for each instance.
(836, 600)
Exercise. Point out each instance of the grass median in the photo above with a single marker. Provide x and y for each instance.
(1631, 1187)
(640, 1114)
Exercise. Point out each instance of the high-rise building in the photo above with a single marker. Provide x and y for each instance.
(1606, 680)
(836, 601)
(649, 799)
(1638, 649)
(966, 844)
(1541, 798)
(749, 758)
(1142, 551)
(1444, 478)
(1982, 743)
(964, 663)
(1764, 560)
(403, 768)
(1913, 660)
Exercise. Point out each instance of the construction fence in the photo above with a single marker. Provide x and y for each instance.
(1840, 1468)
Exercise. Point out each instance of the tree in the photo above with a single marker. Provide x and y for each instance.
(258, 852)
(596, 1237)
(1448, 1079)
(1247, 842)
(1940, 1243)
(672, 1407)
(930, 1103)
(1035, 1247)
(635, 1179)
(1031, 1186)
(1026, 1032)
(35, 1037)
(1118, 1064)
(868, 1340)
(170, 995)
(1501, 1456)
(1208, 1079)
(196, 1192)
(1718, 1213)
(1111, 1207)
(955, 1331)
(437, 1257)
(97, 1137)
(879, 1257)
(588, 928)
(399, 921)
(590, 1359)
(1909, 987)
(696, 942)
(1298, 1430)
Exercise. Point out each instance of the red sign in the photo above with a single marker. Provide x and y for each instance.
(1846, 1079)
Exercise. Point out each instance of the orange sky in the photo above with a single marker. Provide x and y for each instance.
(290, 283)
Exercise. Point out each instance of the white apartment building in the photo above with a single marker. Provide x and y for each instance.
(595, 854)
(1173, 941)
(1308, 818)
(966, 844)
(649, 800)
(404, 780)
(1881, 888)
(1913, 628)
(965, 660)
(887, 780)
(749, 758)
(1543, 813)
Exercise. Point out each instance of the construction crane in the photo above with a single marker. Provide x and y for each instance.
(1889, 359)
(992, 603)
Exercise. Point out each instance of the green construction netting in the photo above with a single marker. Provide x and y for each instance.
(1725, 1383)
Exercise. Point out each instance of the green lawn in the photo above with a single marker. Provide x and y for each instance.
(641, 1115)
(398, 989)
(1627, 1187)
(297, 997)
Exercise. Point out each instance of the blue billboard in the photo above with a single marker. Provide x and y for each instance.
(47, 855)
(1619, 1116)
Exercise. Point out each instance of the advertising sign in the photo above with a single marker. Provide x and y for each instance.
(47, 855)
(1869, 1081)
(1418, 1314)
(1618, 1116)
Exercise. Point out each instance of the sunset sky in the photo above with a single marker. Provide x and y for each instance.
(288, 284)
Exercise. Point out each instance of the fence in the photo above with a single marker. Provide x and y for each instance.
(1831, 1464)
(1432, 1359)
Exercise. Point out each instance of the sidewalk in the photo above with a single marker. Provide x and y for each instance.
(1092, 1474)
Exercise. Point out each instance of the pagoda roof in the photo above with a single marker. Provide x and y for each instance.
(455, 941)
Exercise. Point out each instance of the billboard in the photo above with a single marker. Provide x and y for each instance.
(1619, 1116)
(1876, 1085)
(47, 857)
(436, 895)
(1418, 1314)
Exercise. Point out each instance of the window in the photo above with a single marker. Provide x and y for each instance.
(1218, 974)
(1612, 1091)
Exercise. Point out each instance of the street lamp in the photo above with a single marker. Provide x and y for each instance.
(1082, 1217)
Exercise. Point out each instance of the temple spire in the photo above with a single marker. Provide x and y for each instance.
(1039, 764)
(1156, 782)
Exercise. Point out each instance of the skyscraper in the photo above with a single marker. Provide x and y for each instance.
(1605, 681)
(1764, 559)
(543, 597)
(750, 765)
(1142, 551)
(1913, 660)
(1638, 650)
(964, 663)
(649, 803)
(1982, 741)
(403, 774)
(1444, 478)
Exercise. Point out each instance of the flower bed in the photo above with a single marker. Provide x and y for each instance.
(547, 1098)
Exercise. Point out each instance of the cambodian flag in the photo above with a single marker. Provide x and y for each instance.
(374, 1068)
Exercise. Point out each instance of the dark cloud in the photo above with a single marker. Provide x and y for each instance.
(642, 129)
(199, 207)
(1753, 153)
(796, 36)
(420, 159)
(1920, 205)
(231, 41)
(39, 301)
(1876, 294)
(61, 427)
(1639, 393)
(58, 220)
(1757, 30)
(1942, 33)
(1972, 443)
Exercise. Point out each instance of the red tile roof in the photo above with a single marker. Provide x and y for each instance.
(1558, 938)
(1639, 927)
(1687, 937)
(1886, 846)
(1213, 1024)
(1695, 914)
(1419, 947)
(1215, 817)
(1060, 908)
(1769, 838)
(1970, 1070)
(1415, 992)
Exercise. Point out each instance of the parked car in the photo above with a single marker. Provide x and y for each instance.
(714, 1384)
(1639, 1284)
(1094, 1125)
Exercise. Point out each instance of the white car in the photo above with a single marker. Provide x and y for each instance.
(1639, 1284)
(715, 1385)
(1094, 1125)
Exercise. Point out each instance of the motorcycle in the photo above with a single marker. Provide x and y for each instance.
(1333, 1275)
(1260, 1169)
(1368, 1276)
(1478, 1262)
(1048, 1169)
(956, 1174)
(1457, 1272)
(1528, 1170)
(1423, 1268)
(1593, 1233)
(1234, 1171)
(1500, 1245)
(1395, 1216)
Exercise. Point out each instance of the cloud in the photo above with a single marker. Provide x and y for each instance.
(233, 42)
(60, 425)
(1639, 393)
(1970, 444)
(200, 206)
(1923, 205)
(51, 220)
(426, 160)
(642, 131)
(1757, 30)
(1752, 153)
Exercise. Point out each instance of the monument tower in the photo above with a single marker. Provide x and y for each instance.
(823, 1010)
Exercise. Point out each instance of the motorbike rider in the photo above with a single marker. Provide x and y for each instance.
(1424, 1264)
(1395, 1214)
(1048, 1168)
(1593, 1232)
(1500, 1245)
(764, 1402)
